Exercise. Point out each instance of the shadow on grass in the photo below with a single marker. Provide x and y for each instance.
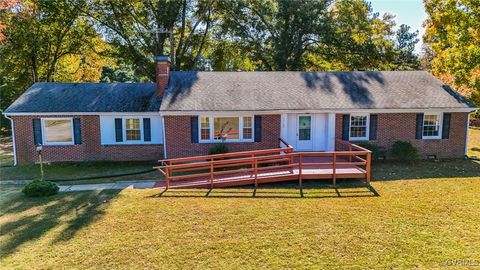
(345, 188)
(389, 170)
(78, 209)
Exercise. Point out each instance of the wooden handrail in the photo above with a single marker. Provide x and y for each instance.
(249, 161)
(227, 155)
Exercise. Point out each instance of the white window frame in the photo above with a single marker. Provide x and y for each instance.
(210, 126)
(440, 126)
(124, 131)
(367, 132)
(44, 133)
(211, 122)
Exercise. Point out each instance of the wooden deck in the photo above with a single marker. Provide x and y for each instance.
(266, 166)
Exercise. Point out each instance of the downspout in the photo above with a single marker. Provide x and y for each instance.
(13, 140)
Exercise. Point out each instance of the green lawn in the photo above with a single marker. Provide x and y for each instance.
(473, 142)
(6, 153)
(69, 170)
(395, 224)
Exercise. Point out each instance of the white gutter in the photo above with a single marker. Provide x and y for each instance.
(419, 110)
(13, 140)
(82, 113)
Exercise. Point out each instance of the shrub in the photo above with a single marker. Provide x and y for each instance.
(376, 150)
(218, 149)
(404, 151)
(40, 188)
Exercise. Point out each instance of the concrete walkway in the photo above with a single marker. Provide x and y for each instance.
(115, 185)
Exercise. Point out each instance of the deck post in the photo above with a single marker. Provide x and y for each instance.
(300, 157)
(350, 150)
(369, 166)
(255, 168)
(334, 175)
(167, 170)
(211, 173)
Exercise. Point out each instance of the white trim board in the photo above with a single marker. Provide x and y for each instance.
(83, 113)
(338, 111)
(169, 113)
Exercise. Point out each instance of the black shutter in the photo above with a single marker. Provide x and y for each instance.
(373, 126)
(37, 131)
(147, 133)
(258, 128)
(345, 127)
(118, 130)
(446, 125)
(77, 132)
(419, 130)
(194, 129)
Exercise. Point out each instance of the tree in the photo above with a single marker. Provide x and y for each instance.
(47, 41)
(128, 26)
(426, 57)
(405, 42)
(358, 39)
(274, 34)
(453, 33)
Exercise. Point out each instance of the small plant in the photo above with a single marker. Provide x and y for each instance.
(40, 188)
(376, 150)
(218, 149)
(404, 151)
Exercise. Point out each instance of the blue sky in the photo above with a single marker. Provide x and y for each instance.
(409, 12)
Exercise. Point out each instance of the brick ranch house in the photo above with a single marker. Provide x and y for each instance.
(185, 113)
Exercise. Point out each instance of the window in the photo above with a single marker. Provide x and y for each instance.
(226, 128)
(132, 129)
(304, 128)
(431, 126)
(358, 127)
(58, 131)
(247, 127)
(204, 128)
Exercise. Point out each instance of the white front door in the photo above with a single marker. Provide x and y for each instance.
(304, 133)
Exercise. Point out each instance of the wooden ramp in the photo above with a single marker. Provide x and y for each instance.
(266, 166)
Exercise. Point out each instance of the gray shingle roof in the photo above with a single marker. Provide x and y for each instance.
(257, 91)
(248, 91)
(87, 97)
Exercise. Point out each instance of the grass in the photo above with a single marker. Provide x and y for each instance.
(473, 147)
(424, 216)
(69, 170)
(395, 224)
(6, 153)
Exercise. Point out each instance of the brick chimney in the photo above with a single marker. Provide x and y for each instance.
(162, 67)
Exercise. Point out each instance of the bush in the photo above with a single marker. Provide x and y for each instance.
(218, 149)
(40, 188)
(404, 151)
(376, 150)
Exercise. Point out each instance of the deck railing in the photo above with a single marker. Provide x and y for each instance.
(253, 163)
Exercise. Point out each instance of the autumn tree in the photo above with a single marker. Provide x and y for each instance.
(453, 33)
(47, 41)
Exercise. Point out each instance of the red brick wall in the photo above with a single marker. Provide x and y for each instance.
(90, 149)
(394, 127)
(178, 137)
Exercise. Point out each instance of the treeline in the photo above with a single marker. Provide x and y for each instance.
(115, 40)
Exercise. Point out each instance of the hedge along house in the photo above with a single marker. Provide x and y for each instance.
(187, 113)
